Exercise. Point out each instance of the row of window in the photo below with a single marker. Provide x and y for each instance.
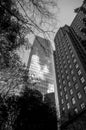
(82, 106)
(79, 95)
(71, 91)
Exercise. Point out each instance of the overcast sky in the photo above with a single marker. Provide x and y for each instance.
(66, 10)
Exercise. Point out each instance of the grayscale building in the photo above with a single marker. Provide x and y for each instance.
(40, 65)
(70, 73)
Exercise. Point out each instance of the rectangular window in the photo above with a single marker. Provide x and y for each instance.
(74, 60)
(72, 55)
(60, 86)
(70, 66)
(59, 81)
(83, 105)
(68, 61)
(82, 80)
(65, 89)
(62, 76)
(69, 84)
(79, 72)
(79, 95)
(62, 101)
(71, 91)
(66, 71)
(68, 77)
(68, 105)
(64, 82)
(66, 96)
(76, 66)
(76, 110)
(72, 72)
(63, 108)
(76, 86)
(61, 93)
(67, 57)
(74, 78)
(73, 101)
(71, 51)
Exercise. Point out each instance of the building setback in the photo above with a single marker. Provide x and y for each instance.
(70, 73)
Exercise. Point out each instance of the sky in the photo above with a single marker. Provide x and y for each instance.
(66, 11)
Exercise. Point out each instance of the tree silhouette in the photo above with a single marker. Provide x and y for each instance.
(27, 112)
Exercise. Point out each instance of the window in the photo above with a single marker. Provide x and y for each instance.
(64, 82)
(65, 89)
(79, 95)
(66, 96)
(76, 66)
(63, 108)
(74, 60)
(79, 72)
(74, 78)
(62, 76)
(61, 66)
(69, 47)
(68, 61)
(61, 93)
(67, 57)
(61, 71)
(73, 101)
(71, 51)
(64, 61)
(83, 105)
(66, 53)
(65, 66)
(71, 91)
(68, 105)
(69, 84)
(60, 86)
(68, 77)
(66, 71)
(76, 86)
(82, 80)
(85, 89)
(58, 75)
(70, 66)
(72, 72)
(72, 55)
(62, 101)
(76, 110)
(59, 81)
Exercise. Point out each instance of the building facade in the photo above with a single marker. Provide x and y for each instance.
(79, 22)
(70, 73)
(40, 65)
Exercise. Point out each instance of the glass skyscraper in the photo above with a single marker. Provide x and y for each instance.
(40, 65)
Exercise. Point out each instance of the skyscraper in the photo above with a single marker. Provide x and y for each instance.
(70, 73)
(40, 65)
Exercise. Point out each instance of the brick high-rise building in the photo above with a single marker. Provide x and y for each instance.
(70, 73)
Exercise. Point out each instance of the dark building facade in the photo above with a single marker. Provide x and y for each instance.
(78, 29)
(79, 22)
(70, 73)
